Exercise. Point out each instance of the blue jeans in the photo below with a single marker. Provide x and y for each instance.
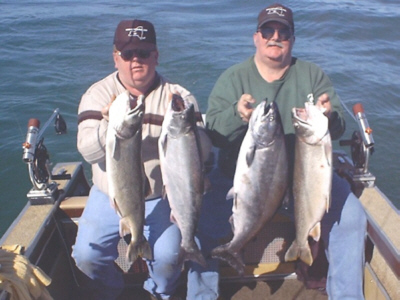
(95, 250)
(344, 230)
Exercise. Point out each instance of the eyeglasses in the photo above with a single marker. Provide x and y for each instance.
(268, 32)
(128, 55)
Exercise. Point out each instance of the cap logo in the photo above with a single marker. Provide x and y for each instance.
(137, 32)
(280, 11)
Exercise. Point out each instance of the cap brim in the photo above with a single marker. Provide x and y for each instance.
(141, 45)
(279, 20)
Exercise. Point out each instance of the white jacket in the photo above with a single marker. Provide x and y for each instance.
(92, 128)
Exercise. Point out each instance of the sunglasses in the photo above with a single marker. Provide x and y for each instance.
(128, 55)
(268, 32)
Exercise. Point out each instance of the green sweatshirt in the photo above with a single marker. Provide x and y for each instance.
(302, 81)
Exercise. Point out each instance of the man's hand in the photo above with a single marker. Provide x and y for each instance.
(324, 104)
(245, 107)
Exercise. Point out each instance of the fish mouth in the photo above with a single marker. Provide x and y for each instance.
(137, 106)
(177, 103)
(266, 112)
(270, 111)
(181, 108)
(265, 116)
(300, 115)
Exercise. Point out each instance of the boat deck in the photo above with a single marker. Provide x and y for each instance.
(47, 231)
(275, 278)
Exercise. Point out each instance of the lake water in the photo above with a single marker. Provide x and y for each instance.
(52, 51)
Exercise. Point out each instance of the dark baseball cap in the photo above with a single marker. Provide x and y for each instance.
(278, 13)
(135, 34)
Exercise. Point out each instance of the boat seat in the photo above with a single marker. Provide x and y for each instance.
(73, 206)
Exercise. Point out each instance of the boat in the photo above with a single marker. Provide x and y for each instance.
(46, 228)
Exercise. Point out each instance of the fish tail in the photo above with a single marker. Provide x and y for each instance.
(137, 249)
(292, 253)
(232, 258)
(146, 251)
(193, 254)
(295, 251)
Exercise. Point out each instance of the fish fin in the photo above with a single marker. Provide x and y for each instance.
(194, 255)
(292, 253)
(139, 248)
(115, 153)
(250, 154)
(304, 253)
(315, 232)
(231, 194)
(146, 250)
(232, 258)
(124, 228)
(115, 205)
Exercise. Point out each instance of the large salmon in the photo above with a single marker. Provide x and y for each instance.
(183, 173)
(125, 172)
(260, 181)
(312, 178)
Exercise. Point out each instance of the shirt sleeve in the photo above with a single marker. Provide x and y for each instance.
(92, 128)
(223, 121)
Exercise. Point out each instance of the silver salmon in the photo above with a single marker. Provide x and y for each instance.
(260, 181)
(183, 173)
(312, 178)
(125, 172)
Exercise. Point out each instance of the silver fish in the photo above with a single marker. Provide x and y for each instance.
(182, 172)
(125, 172)
(260, 181)
(312, 178)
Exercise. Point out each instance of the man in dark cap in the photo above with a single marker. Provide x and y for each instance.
(273, 73)
(95, 250)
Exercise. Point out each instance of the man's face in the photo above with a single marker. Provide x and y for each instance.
(136, 67)
(274, 42)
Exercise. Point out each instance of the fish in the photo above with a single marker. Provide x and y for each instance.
(183, 175)
(312, 178)
(260, 181)
(127, 181)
